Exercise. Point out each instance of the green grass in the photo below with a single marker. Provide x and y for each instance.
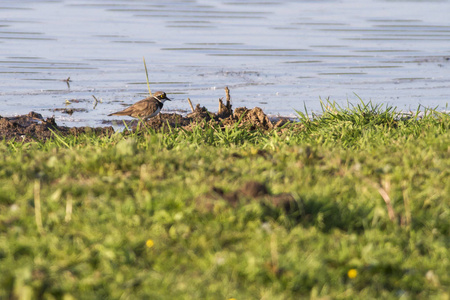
(373, 195)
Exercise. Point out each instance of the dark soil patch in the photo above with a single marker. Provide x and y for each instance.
(251, 191)
(33, 127)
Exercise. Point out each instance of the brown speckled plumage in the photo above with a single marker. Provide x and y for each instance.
(146, 108)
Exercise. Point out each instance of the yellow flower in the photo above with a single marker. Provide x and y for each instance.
(232, 299)
(149, 243)
(352, 273)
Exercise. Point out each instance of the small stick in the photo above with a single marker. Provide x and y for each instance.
(227, 91)
(221, 106)
(96, 101)
(37, 205)
(190, 104)
(67, 81)
(384, 194)
(387, 200)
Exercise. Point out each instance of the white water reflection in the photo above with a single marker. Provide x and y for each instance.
(275, 55)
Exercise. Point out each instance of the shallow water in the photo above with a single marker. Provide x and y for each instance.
(281, 56)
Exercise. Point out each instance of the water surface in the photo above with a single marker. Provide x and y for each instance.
(281, 56)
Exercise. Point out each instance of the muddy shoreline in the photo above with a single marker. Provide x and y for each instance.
(34, 127)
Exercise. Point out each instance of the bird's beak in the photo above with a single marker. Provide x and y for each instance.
(168, 99)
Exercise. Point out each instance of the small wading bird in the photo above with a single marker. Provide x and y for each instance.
(146, 108)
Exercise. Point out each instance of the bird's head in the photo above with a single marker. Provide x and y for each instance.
(160, 96)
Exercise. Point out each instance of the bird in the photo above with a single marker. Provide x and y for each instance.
(146, 108)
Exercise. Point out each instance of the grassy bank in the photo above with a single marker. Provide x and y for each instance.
(147, 215)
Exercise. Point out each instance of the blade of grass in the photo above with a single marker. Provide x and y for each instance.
(59, 138)
(146, 75)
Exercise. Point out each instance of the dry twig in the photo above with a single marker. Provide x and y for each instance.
(190, 104)
(383, 190)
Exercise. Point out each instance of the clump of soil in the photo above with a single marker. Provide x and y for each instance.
(251, 191)
(199, 114)
(253, 119)
(33, 127)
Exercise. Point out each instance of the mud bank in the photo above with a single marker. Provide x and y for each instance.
(34, 127)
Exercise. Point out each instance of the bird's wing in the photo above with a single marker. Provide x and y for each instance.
(145, 107)
(139, 109)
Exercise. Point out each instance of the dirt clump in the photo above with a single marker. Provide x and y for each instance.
(33, 127)
(251, 191)
(199, 114)
(253, 118)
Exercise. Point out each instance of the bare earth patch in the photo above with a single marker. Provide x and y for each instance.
(33, 127)
(251, 191)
